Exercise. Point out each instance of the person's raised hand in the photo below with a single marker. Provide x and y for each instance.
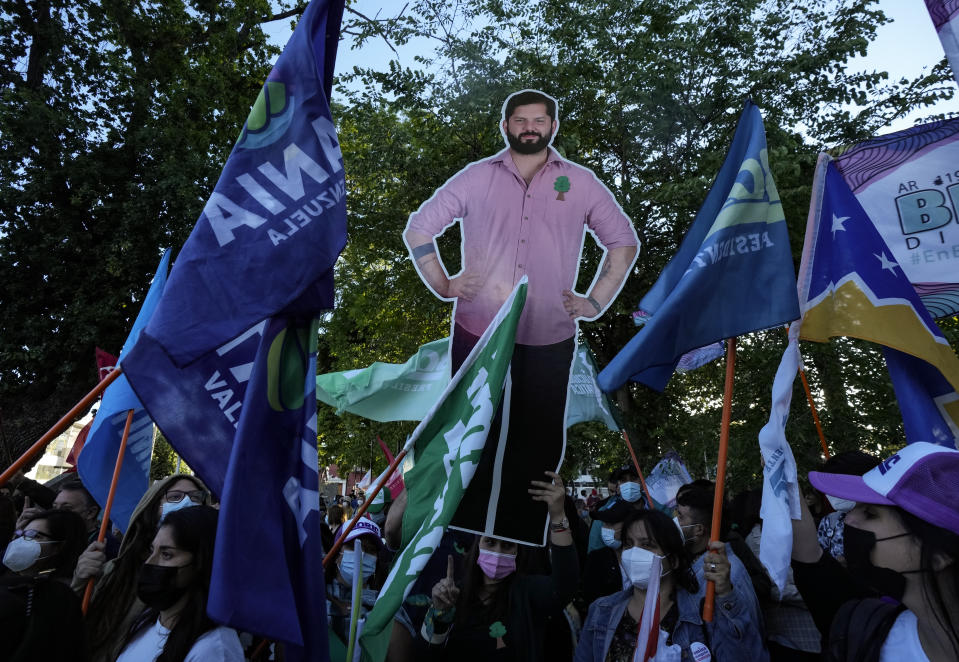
(716, 567)
(552, 493)
(445, 592)
(29, 513)
(90, 564)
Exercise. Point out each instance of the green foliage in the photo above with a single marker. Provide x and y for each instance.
(649, 96)
(163, 462)
(115, 120)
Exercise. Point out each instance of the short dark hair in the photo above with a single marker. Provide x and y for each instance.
(699, 500)
(854, 463)
(76, 485)
(525, 98)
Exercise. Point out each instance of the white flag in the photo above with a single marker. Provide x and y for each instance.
(780, 485)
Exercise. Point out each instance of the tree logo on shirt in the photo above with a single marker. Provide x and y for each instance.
(562, 186)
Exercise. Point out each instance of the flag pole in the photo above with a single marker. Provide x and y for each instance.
(105, 523)
(639, 472)
(721, 468)
(59, 426)
(374, 490)
(815, 414)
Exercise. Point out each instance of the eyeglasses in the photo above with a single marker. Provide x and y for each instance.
(33, 534)
(176, 496)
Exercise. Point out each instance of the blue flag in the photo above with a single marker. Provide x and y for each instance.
(99, 455)
(264, 246)
(268, 565)
(732, 274)
(851, 285)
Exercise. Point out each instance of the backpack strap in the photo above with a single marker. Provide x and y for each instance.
(860, 628)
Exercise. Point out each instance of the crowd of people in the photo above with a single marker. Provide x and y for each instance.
(874, 577)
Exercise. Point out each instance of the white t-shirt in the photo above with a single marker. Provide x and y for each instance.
(220, 644)
(902, 642)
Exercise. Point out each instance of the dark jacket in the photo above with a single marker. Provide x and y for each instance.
(532, 600)
(39, 620)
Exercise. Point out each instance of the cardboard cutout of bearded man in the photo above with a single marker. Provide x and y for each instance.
(524, 212)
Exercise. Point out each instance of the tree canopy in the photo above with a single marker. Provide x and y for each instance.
(117, 118)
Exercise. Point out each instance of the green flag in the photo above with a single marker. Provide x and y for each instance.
(390, 391)
(446, 449)
(586, 401)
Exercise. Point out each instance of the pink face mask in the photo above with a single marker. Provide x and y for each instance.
(495, 565)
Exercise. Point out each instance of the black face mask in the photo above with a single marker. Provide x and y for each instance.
(156, 586)
(857, 547)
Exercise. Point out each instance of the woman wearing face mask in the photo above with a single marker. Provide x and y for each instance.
(500, 613)
(115, 604)
(902, 541)
(174, 584)
(339, 580)
(39, 614)
(603, 572)
(829, 528)
(611, 628)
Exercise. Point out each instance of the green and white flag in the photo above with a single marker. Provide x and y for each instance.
(390, 391)
(446, 449)
(586, 401)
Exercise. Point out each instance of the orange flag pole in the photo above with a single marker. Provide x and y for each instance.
(59, 426)
(815, 414)
(335, 549)
(639, 472)
(88, 593)
(721, 468)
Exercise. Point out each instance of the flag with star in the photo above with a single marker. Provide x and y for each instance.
(851, 285)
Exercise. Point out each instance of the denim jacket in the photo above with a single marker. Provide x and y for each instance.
(730, 637)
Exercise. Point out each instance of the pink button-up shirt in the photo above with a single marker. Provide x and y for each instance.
(511, 230)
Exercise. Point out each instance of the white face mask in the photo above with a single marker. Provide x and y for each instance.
(679, 526)
(638, 563)
(21, 554)
(841, 505)
(609, 538)
(348, 565)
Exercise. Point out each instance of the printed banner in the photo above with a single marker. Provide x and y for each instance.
(908, 184)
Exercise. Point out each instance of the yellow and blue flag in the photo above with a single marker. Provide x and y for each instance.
(732, 274)
(850, 285)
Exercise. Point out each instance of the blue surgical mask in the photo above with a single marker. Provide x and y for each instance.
(348, 566)
(630, 492)
(609, 538)
(166, 508)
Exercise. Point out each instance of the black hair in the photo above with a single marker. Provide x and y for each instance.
(76, 485)
(469, 603)
(853, 463)
(666, 534)
(628, 472)
(193, 529)
(527, 97)
(744, 511)
(699, 499)
(613, 476)
(935, 540)
(71, 531)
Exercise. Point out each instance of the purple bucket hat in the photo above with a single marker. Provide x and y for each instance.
(922, 479)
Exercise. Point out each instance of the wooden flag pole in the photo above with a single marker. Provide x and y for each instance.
(815, 414)
(105, 523)
(639, 472)
(59, 427)
(335, 549)
(721, 468)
